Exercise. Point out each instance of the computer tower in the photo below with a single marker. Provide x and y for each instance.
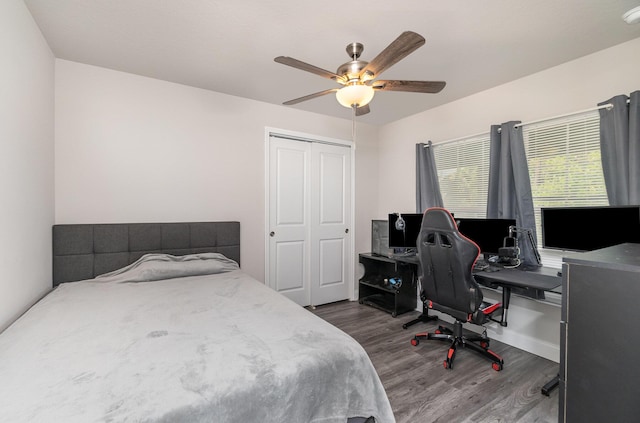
(380, 237)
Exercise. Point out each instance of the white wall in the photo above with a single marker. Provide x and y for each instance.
(26, 161)
(136, 149)
(573, 86)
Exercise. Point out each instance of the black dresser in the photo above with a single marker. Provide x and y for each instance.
(600, 339)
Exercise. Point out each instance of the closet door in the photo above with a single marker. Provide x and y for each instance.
(289, 215)
(330, 223)
(309, 197)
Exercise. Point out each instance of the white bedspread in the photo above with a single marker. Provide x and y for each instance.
(215, 348)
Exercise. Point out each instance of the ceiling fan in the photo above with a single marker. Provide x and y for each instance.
(358, 78)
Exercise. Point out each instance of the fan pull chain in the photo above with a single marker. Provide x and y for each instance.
(353, 124)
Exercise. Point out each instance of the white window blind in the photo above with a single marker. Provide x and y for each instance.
(564, 167)
(463, 173)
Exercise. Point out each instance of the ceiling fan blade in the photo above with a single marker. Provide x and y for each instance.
(400, 48)
(431, 87)
(295, 63)
(309, 97)
(363, 110)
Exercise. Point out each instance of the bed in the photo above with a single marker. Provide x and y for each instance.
(158, 323)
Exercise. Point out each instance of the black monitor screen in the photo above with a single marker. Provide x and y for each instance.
(403, 233)
(489, 234)
(589, 228)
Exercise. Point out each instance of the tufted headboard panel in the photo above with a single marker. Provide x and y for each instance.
(84, 251)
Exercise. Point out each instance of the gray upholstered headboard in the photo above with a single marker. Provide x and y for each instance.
(84, 251)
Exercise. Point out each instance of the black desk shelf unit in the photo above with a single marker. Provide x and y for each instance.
(374, 290)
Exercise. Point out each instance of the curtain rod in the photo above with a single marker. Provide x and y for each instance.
(607, 106)
(604, 106)
(460, 138)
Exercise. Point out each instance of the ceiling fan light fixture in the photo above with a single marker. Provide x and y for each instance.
(632, 16)
(355, 95)
(358, 76)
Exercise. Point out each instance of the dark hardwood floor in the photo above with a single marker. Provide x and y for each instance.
(421, 390)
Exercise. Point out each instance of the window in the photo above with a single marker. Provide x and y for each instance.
(564, 168)
(463, 173)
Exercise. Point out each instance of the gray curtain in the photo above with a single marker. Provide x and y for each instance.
(620, 149)
(509, 194)
(427, 185)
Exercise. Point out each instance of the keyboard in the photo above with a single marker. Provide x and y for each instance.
(487, 267)
(480, 265)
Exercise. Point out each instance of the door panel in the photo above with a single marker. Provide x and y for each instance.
(330, 211)
(332, 189)
(291, 178)
(289, 222)
(289, 266)
(331, 262)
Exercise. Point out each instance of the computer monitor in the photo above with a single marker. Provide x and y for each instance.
(404, 229)
(489, 234)
(589, 228)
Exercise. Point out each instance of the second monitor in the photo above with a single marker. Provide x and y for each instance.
(489, 234)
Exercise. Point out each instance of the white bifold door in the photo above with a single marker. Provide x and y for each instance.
(309, 195)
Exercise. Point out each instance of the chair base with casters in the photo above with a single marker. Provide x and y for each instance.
(478, 343)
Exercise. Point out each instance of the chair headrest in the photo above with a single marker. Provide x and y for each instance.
(439, 218)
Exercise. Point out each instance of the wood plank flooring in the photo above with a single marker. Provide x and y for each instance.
(421, 390)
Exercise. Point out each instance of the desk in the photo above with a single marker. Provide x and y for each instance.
(534, 281)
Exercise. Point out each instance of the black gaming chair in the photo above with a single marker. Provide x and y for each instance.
(446, 262)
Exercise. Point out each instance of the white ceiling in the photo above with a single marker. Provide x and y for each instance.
(229, 46)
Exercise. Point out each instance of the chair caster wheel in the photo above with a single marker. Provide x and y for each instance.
(446, 364)
(484, 344)
(415, 342)
(496, 366)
